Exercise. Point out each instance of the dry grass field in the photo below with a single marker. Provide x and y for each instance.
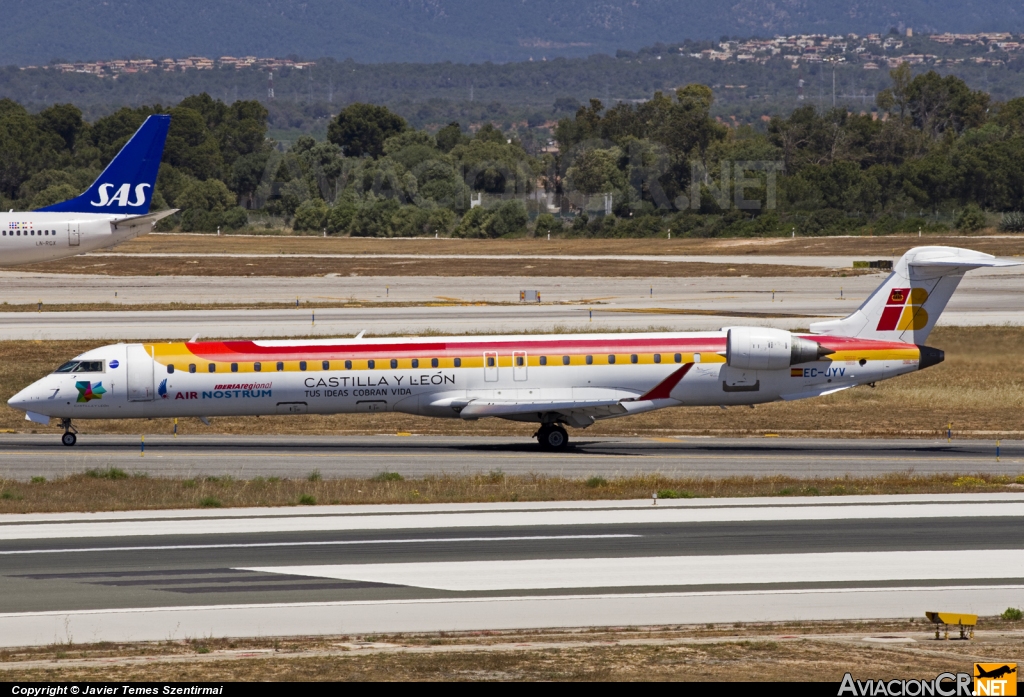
(870, 247)
(198, 263)
(784, 652)
(979, 388)
(379, 266)
(116, 490)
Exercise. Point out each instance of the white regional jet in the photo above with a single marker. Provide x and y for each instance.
(555, 381)
(114, 209)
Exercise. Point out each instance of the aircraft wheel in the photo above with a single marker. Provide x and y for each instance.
(553, 438)
(69, 439)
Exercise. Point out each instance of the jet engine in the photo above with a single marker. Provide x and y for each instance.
(761, 348)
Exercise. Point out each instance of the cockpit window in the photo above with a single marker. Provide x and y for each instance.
(81, 367)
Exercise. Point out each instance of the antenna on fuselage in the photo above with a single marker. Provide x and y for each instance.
(360, 334)
(193, 339)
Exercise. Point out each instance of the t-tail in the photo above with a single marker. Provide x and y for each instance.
(126, 185)
(906, 307)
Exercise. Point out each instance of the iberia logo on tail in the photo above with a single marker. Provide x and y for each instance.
(89, 391)
(904, 310)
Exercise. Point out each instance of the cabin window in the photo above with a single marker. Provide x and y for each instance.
(257, 367)
(490, 361)
(212, 367)
(348, 365)
(565, 360)
(394, 363)
(371, 364)
(678, 358)
(434, 363)
(611, 358)
(458, 362)
(415, 362)
(280, 366)
(657, 358)
(634, 358)
(302, 365)
(590, 360)
(520, 360)
(234, 367)
(327, 365)
(543, 360)
(191, 367)
(170, 368)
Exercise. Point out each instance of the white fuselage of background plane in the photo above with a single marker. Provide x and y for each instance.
(30, 237)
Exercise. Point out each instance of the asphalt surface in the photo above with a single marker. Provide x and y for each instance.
(991, 297)
(335, 569)
(24, 456)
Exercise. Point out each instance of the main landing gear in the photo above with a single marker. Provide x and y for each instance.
(552, 437)
(69, 438)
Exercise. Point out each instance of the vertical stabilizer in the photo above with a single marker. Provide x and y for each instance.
(126, 185)
(906, 307)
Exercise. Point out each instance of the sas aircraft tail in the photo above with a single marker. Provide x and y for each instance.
(126, 186)
(906, 307)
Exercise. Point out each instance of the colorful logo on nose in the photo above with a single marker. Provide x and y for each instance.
(89, 391)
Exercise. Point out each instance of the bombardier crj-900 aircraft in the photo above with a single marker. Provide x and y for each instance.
(113, 210)
(555, 381)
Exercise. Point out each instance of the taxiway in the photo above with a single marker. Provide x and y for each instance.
(23, 456)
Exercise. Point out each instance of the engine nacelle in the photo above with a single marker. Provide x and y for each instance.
(762, 348)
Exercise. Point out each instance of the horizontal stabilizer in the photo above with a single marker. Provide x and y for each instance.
(907, 305)
(142, 221)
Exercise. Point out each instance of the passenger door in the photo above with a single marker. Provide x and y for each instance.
(74, 237)
(140, 373)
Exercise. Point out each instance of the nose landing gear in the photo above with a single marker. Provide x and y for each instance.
(69, 438)
(552, 437)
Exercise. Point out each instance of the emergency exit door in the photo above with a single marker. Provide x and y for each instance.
(74, 237)
(519, 363)
(491, 366)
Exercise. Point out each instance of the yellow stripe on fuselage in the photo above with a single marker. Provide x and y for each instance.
(179, 356)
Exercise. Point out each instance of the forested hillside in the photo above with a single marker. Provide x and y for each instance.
(936, 154)
(455, 30)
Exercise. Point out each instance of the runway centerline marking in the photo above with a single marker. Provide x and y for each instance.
(251, 545)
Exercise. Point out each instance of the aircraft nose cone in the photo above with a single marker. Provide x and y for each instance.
(23, 400)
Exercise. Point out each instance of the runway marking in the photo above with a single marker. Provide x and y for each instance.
(645, 515)
(317, 544)
(540, 574)
(519, 599)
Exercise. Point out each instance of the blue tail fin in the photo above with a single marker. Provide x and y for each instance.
(126, 185)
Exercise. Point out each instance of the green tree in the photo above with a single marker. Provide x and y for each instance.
(361, 129)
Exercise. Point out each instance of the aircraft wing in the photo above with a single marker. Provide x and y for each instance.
(480, 408)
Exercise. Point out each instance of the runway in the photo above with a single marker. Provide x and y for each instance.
(165, 575)
(25, 456)
(583, 304)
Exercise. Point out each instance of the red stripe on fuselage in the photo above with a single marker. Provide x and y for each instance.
(250, 351)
